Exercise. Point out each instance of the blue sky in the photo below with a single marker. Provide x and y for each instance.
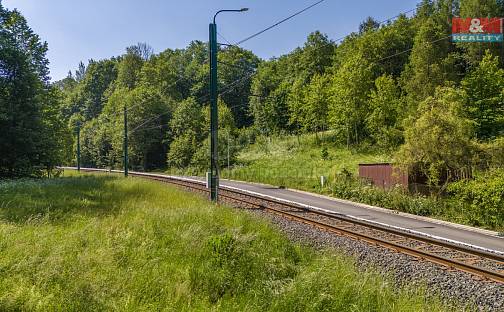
(80, 30)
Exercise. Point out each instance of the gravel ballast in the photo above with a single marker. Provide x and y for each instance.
(451, 285)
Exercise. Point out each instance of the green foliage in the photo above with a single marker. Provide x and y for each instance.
(284, 161)
(484, 88)
(182, 150)
(33, 133)
(317, 99)
(91, 93)
(130, 66)
(384, 123)
(324, 153)
(297, 161)
(236, 64)
(369, 24)
(492, 154)
(187, 129)
(187, 116)
(428, 67)
(473, 53)
(90, 243)
(438, 143)
(350, 88)
(483, 198)
(56, 139)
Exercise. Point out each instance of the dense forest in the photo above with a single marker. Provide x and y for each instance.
(399, 86)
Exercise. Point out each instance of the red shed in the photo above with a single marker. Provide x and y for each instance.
(383, 175)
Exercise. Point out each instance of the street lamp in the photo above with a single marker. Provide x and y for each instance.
(214, 116)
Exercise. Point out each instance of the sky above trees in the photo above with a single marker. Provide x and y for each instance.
(80, 30)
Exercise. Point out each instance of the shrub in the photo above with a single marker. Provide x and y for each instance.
(483, 197)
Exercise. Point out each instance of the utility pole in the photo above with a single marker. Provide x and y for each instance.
(229, 169)
(78, 147)
(125, 146)
(214, 114)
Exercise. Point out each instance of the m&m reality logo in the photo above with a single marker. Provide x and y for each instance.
(477, 29)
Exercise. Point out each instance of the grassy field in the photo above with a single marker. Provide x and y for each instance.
(100, 243)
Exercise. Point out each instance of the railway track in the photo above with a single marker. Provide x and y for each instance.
(483, 265)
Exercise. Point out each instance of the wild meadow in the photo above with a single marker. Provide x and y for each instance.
(101, 243)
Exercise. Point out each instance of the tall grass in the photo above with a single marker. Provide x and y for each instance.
(100, 243)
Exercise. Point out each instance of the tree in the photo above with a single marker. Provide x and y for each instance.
(348, 108)
(484, 94)
(56, 139)
(32, 132)
(142, 49)
(446, 145)
(129, 67)
(427, 68)
(296, 104)
(236, 66)
(315, 57)
(369, 24)
(148, 115)
(99, 78)
(387, 109)
(480, 8)
(268, 102)
(227, 134)
(187, 130)
(316, 98)
(80, 72)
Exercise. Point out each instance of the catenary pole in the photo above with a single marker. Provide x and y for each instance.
(214, 157)
(78, 148)
(214, 114)
(125, 146)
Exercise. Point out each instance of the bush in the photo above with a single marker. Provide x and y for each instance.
(483, 197)
(347, 187)
(182, 150)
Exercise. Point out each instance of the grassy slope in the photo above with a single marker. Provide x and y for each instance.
(297, 162)
(299, 165)
(105, 243)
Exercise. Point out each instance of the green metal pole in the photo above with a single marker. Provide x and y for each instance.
(214, 161)
(78, 148)
(125, 147)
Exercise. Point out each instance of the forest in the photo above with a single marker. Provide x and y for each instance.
(398, 86)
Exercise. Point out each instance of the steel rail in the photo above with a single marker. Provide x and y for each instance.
(417, 253)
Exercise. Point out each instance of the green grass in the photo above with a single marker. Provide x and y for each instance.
(298, 163)
(100, 243)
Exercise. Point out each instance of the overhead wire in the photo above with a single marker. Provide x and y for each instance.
(242, 79)
(278, 23)
(237, 82)
(234, 83)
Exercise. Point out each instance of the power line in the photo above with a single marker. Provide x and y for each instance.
(150, 119)
(160, 127)
(114, 114)
(428, 42)
(331, 42)
(236, 66)
(224, 38)
(241, 80)
(278, 23)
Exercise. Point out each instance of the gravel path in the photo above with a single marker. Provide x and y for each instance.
(451, 285)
